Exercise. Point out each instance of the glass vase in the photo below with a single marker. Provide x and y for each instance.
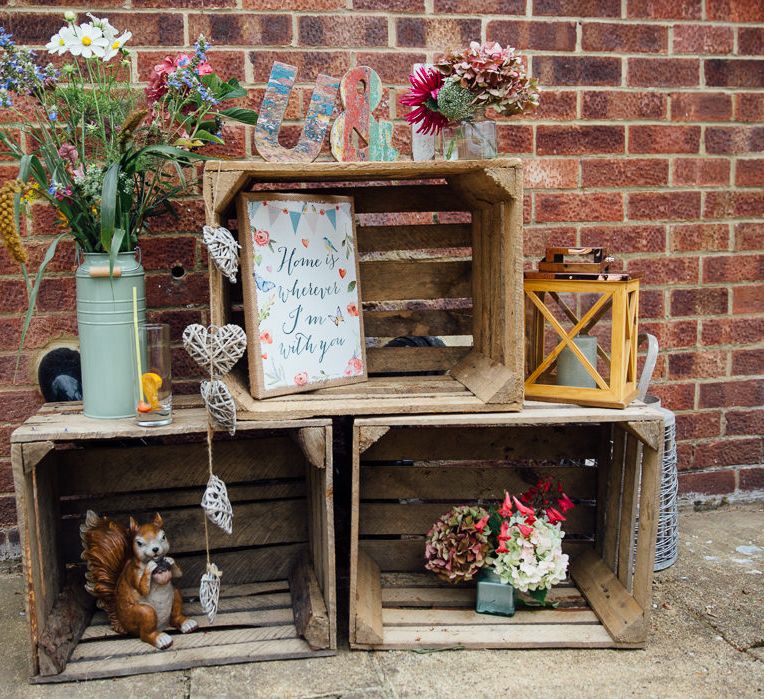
(470, 140)
(494, 596)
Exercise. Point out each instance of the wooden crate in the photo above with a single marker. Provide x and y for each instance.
(278, 585)
(455, 272)
(408, 470)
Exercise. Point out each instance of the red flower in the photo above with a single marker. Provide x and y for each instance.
(301, 378)
(425, 86)
(525, 530)
(530, 515)
(506, 508)
(481, 523)
(502, 548)
(353, 309)
(262, 237)
(504, 533)
(565, 503)
(554, 516)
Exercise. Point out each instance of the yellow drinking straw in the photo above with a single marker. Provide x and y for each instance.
(137, 344)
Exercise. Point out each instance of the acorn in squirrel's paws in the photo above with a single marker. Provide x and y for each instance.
(131, 575)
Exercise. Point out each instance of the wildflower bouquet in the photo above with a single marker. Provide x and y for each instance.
(467, 82)
(106, 155)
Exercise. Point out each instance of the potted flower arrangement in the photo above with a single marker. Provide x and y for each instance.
(509, 548)
(451, 98)
(107, 157)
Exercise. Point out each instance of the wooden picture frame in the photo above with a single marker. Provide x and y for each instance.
(275, 231)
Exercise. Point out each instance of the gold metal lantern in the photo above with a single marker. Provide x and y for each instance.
(581, 330)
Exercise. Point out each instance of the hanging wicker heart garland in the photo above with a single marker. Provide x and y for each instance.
(220, 404)
(223, 250)
(209, 591)
(216, 504)
(215, 349)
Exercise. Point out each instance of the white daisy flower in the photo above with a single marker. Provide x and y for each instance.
(88, 41)
(104, 25)
(116, 44)
(59, 42)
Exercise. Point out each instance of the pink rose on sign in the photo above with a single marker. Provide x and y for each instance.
(266, 337)
(301, 379)
(262, 237)
(354, 367)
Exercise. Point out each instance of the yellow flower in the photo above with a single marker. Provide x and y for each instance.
(63, 221)
(9, 234)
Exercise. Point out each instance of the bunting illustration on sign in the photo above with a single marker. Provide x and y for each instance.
(356, 134)
(301, 295)
(272, 112)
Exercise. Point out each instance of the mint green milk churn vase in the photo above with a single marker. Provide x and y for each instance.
(105, 323)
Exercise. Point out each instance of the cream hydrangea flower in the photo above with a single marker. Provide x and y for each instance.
(88, 41)
(59, 42)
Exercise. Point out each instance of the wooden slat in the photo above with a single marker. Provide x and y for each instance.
(490, 380)
(457, 321)
(387, 198)
(440, 443)
(401, 360)
(424, 618)
(461, 597)
(415, 279)
(310, 616)
(422, 237)
(120, 469)
(366, 624)
(471, 482)
(628, 511)
(226, 590)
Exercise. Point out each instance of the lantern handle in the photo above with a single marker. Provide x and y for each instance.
(650, 360)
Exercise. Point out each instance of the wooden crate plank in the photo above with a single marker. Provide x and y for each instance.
(632, 472)
(310, 616)
(413, 359)
(455, 321)
(366, 625)
(424, 618)
(384, 199)
(429, 443)
(488, 379)
(415, 279)
(462, 597)
(416, 237)
(437, 482)
(255, 588)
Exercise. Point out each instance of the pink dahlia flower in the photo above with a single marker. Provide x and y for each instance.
(425, 86)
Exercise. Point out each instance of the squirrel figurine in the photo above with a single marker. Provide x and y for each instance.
(130, 573)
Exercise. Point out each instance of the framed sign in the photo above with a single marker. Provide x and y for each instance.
(302, 304)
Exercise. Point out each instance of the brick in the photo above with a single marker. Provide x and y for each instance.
(13, 297)
(701, 171)
(748, 299)
(701, 302)
(575, 207)
(664, 139)
(676, 206)
(727, 452)
(749, 172)
(651, 304)
(546, 36)
(625, 239)
(749, 107)
(700, 236)
(177, 4)
(735, 139)
(665, 270)
(728, 393)
(577, 8)
(178, 320)
(436, 34)
(31, 28)
(162, 290)
(339, 30)
(309, 63)
(612, 104)
(168, 251)
(726, 331)
(693, 365)
(747, 362)
(683, 333)
(745, 203)
(577, 70)
(751, 478)
(8, 512)
(751, 41)
(393, 68)
(665, 9)
(555, 105)
(622, 172)
(43, 329)
(675, 396)
(550, 174)
(702, 39)
(698, 425)
(745, 422)
(242, 28)
(735, 10)
(56, 293)
(20, 404)
(663, 72)
(708, 483)
(488, 7)
(514, 139)
(721, 72)
(234, 146)
(733, 268)
(624, 38)
(389, 5)
(536, 240)
(701, 106)
(749, 236)
(579, 140)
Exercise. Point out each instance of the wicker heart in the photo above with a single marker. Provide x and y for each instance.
(216, 504)
(220, 404)
(209, 591)
(223, 250)
(215, 349)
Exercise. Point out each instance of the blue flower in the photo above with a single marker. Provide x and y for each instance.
(6, 39)
(53, 189)
(53, 116)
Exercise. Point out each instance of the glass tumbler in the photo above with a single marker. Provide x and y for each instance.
(152, 375)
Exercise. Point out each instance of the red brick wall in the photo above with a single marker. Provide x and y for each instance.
(648, 140)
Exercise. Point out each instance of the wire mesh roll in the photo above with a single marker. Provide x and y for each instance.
(667, 542)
